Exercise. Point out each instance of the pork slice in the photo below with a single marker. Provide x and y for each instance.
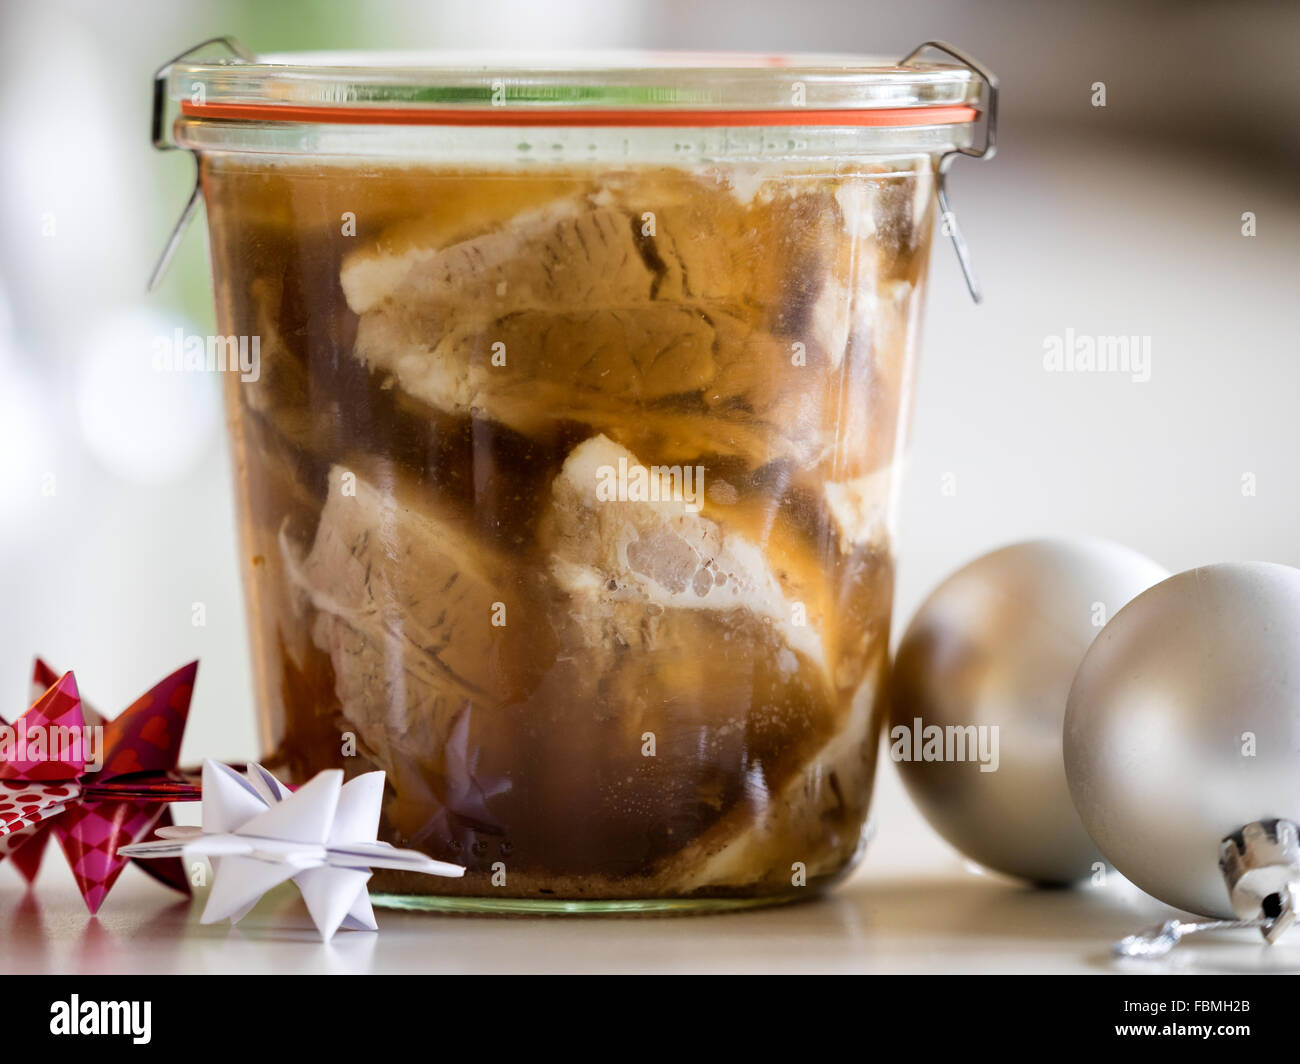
(636, 353)
(813, 818)
(403, 602)
(628, 564)
(570, 253)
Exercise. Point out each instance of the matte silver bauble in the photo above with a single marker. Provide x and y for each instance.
(1183, 726)
(978, 699)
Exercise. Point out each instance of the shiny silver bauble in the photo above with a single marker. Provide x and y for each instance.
(989, 657)
(1184, 725)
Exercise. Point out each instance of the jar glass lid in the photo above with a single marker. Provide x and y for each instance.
(601, 88)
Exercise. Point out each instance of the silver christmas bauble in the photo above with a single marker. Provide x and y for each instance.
(986, 664)
(1183, 726)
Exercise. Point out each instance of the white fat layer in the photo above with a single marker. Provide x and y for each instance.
(861, 508)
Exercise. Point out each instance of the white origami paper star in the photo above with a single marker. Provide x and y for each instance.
(259, 833)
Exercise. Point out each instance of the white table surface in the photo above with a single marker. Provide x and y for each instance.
(881, 922)
(913, 905)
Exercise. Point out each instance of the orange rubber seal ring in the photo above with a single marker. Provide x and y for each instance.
(503, 116)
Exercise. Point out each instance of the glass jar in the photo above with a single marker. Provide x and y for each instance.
(565, 478)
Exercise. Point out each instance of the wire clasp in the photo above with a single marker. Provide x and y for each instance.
(162, 141)
(986, 150)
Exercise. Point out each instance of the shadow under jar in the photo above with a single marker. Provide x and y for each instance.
(565, 482)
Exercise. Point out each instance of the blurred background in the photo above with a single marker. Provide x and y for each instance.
(115, 489)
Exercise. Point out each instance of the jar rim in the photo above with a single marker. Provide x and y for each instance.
(576, 89)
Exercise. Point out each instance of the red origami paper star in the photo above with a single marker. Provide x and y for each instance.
(47, 786)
